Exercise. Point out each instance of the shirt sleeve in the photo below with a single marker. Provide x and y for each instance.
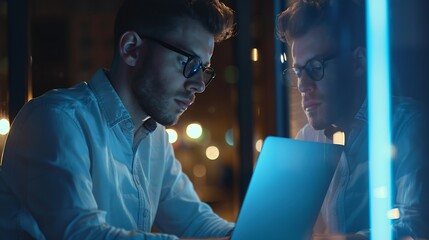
(47, 167)
(180, 210)
(411, 179)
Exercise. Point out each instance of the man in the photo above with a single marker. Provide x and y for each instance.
(94, 161)
(329, 67)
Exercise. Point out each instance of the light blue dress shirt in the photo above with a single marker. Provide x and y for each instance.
(70, 171)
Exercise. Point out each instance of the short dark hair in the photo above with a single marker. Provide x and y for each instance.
(153, 17)
(304, 15)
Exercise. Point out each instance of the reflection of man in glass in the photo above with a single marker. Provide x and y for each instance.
(329, 70)
(94, 161)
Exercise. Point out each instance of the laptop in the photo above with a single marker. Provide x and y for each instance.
(287, 189)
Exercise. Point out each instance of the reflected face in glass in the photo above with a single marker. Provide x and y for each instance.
(160, 86)
(322, 99)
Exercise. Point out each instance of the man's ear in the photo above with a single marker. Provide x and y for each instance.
(359, 60)
(129, 45)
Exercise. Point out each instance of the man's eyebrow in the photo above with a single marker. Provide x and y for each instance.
(189, 51)
(193, 54)
(318, 56)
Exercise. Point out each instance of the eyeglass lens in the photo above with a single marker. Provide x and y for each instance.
(314, 68)
(193, 66)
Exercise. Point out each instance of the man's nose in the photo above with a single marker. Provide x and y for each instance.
(196, 83)
(306, 83)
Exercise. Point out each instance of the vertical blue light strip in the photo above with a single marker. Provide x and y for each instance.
(379, 118)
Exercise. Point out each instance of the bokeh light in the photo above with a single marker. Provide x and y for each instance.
(231, 74)
(258, 145)
(339, 138)
(394, 152)
(172, 135)
(194, 130)
(255, 55)
(393, 214)
(283, 58)
(229, 137)
(4, 126)
(199, 170)
(212, 153)
(380, 192)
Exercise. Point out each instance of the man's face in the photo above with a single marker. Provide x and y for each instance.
(159, 85)
(323, 101)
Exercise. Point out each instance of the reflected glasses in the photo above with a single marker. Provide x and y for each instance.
(315, 68)
(193, 63)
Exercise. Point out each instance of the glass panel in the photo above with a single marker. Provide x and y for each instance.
(347, 206)
(4, 94)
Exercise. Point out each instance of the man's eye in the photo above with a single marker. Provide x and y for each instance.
(316, 68)
(183, 61)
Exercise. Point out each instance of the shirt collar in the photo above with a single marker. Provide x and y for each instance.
(109, 102)
(360, 116)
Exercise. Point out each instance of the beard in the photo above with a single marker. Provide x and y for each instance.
(318, 121)
(326, 114)
(155, 101)
(157, 109)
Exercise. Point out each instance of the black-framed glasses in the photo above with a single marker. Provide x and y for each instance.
(193, 63)
(315, 68)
